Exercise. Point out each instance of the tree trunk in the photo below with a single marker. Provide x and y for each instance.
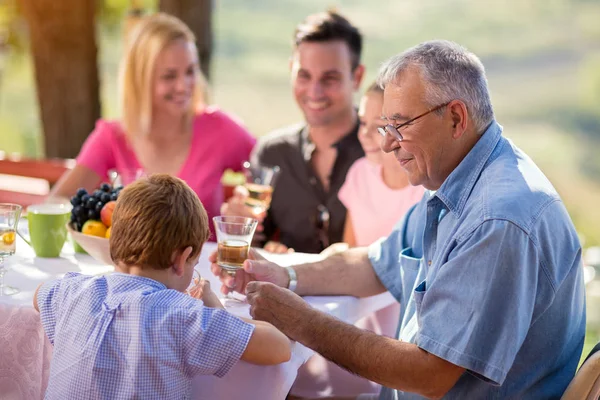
(197, 14)
(65, 58)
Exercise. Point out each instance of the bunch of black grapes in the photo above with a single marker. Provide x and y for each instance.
(88, 205)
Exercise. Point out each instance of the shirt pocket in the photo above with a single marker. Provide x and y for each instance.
(418, 295)
(408, 260)
(409, 270)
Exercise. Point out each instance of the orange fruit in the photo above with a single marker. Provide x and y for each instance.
(94, 228)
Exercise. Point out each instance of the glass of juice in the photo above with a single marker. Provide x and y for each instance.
(234, 237)
(9, 218)
(260, 181)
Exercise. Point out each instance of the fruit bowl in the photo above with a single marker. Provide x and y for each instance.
(95, 246)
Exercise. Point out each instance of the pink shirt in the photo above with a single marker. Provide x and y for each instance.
(374, 208)
(218, 143)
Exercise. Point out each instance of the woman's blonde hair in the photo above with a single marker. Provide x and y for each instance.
(143, 44)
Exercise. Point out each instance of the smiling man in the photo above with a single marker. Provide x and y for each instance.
(314, 156)
(487, 268)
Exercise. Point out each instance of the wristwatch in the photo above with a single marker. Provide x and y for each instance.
(293, 279)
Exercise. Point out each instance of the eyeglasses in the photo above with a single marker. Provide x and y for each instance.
(394, 130)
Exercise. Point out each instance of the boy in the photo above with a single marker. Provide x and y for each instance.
(135, 333)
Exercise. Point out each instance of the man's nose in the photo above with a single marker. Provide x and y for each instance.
(316, 90)
(388, 143)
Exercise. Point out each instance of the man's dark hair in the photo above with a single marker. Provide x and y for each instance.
(327, 26)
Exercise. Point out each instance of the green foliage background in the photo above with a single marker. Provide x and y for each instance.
(542, 59)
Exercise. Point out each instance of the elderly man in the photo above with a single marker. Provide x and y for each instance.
(487, 267)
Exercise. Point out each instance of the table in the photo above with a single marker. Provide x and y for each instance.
(25, 352)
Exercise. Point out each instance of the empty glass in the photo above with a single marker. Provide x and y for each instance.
(125, 176)
(9, 219)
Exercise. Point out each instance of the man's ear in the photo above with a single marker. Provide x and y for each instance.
(179, 258)
(460, 116)
(357, 76)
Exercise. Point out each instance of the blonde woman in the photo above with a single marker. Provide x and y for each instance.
(166, 125)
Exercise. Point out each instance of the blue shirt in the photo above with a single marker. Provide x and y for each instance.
(122, 337)
(488, 271)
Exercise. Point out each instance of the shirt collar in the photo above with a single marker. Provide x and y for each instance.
(123, 282)
(308, 147)
(456, 189)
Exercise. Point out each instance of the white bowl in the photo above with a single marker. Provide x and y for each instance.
(95, 246)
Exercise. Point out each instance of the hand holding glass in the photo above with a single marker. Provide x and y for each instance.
(259, 183)
(9, 219)
(234, 236)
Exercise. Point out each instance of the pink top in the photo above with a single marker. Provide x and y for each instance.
(374, 208)
(218, 143)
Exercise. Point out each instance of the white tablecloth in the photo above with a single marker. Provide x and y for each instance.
(25, 352)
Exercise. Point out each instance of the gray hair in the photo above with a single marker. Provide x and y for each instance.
(450, 72)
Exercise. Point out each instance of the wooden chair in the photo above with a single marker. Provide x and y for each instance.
(586, 383)
(28, 181)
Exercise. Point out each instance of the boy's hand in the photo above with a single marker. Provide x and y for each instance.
(202, 291)
(256, 268)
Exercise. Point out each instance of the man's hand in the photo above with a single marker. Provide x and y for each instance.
(201, 290)
(335, 248)
(281, 307)
(236, 206)
(277, 247)
(256, 268)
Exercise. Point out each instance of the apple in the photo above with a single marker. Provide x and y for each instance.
(107, 212)
(94, 228)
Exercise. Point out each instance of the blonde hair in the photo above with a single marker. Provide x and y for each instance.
(155, 217)
(144, 42)
(374, 88)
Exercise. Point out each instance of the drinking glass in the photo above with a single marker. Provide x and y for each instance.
(125, 176)
(259, 183)
(9, 218)
(234, 236)
(195, 281)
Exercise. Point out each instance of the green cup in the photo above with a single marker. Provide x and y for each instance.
(48, 228)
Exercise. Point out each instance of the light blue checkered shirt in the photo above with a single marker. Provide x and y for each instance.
(122, 337)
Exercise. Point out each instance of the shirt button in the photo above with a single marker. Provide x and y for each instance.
(429, 262)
